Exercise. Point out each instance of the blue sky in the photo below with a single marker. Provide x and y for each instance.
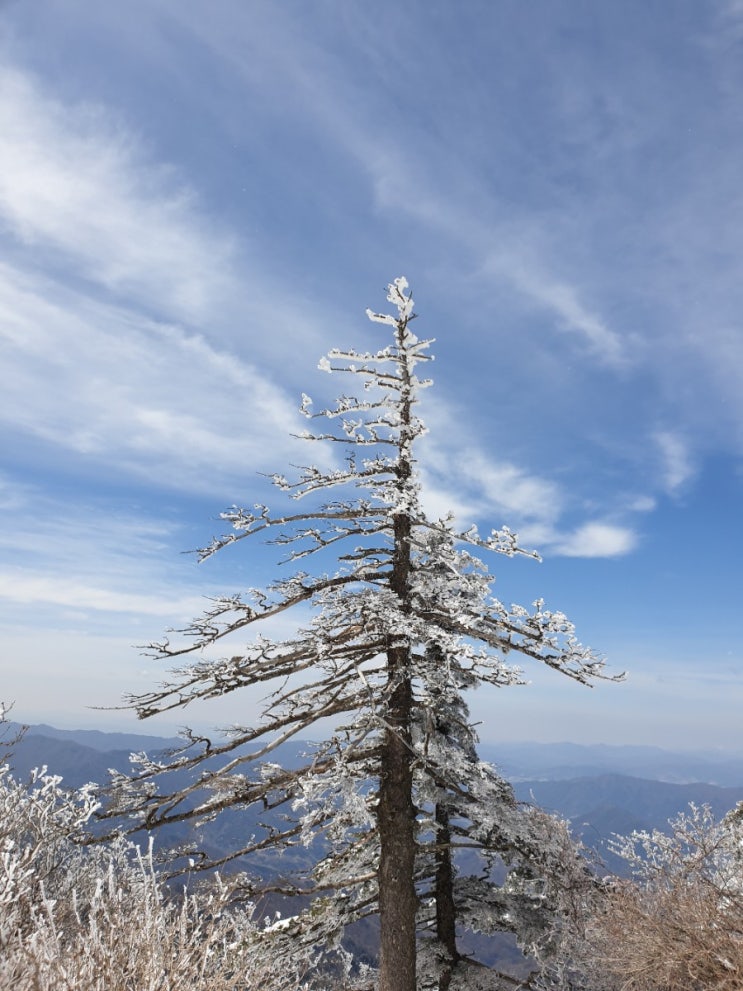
(197, 201)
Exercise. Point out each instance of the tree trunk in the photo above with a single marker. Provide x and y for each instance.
(396, 817)
(396, 814)
(446, 914)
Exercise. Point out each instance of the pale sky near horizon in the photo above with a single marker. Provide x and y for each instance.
(198, 201)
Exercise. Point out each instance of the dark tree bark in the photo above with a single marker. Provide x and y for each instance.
(446, 913)
(396, 820)
(396, 813)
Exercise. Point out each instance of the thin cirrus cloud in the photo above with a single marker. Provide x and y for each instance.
(89, 558)
(76, 184)
(38, 590)
(72, 184)
(564, 300)
(111, 373)
(548, 255)
(506, 494)
(83, 194)
(550, 259)
(130, 392)
(403, 180)
(400, 187)
(421, 179)
(676, 466)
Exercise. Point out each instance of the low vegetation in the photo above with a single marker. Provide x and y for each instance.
(82, 916)
(76, 916)
(677, 924)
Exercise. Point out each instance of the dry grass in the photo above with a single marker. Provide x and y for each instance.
(682, 937)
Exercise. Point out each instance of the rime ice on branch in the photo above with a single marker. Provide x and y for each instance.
(401, 629)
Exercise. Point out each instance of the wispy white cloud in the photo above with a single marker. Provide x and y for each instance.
(419, 177)
(82, 536)
(107, 369)
(596, 539)
(508, 488)
(12, 494)
(729, 17)
(676, 463)
(476, 487)
(85, 557)
(613, 273)
(149, 398)
(90, 200)
(525, 267)
(617, 272)
(154, 400)
(564, 300)
(95, 564)
(463, 478)
(38, 590)
(642, 504)
(76, 183)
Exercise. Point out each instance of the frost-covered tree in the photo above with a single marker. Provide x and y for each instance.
(403, 624)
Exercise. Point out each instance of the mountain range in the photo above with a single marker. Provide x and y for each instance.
(602, 790)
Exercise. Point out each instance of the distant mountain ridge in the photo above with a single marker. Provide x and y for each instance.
(602, 806)
(561, 761)
(77, 756)
(590, 786)
(102, 741)
(653, 800)
(516, 761)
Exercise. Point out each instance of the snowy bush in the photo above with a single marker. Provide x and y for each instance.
(675, 925)
(76, 916)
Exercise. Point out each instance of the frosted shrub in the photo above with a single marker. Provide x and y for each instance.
(38, 825)
(76, 917)
(679, 925)
(676, 924)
